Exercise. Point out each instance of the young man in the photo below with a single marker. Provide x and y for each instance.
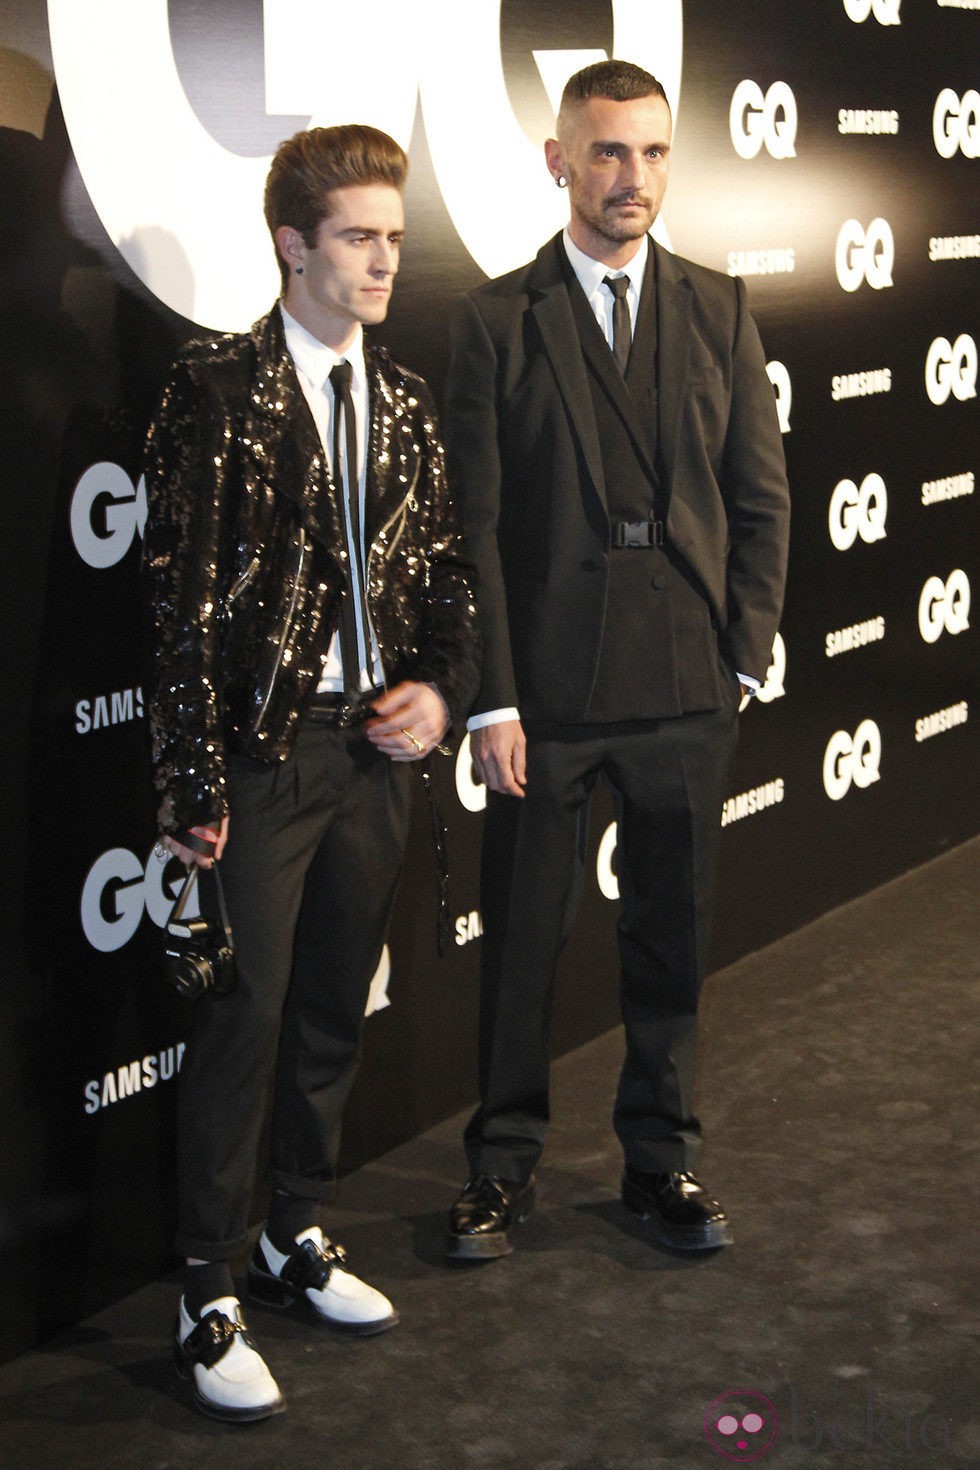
(314, 632)
(613, 439)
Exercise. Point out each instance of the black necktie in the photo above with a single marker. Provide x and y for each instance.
(345, 471)
(622, 328)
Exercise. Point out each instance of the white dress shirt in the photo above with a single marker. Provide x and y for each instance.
(591, 274)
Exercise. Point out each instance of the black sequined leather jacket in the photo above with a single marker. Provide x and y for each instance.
(245, 559)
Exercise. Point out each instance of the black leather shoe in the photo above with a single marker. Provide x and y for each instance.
(680, 1213)
(481, 1219)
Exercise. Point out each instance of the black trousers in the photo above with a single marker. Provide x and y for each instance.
(668, 779)
(310, 873)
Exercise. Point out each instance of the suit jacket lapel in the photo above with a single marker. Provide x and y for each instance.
(674, 308)
(552, 311)
(642, 371)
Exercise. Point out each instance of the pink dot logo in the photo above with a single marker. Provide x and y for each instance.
(741, 1424)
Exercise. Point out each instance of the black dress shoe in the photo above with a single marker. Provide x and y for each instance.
(481, 1219)
(681, 1214)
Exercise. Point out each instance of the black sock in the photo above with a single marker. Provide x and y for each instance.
(205, 1283)
(289, 1215)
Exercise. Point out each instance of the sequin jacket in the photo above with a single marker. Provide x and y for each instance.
(245, 559)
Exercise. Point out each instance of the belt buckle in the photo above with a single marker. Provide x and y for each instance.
(349, 715)
(356, 711)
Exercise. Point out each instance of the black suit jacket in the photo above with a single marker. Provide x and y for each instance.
(524, 458)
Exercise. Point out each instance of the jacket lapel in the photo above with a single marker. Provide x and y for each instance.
(393, 453)
(674, 308)
(280, 443)
(552, 310)
(642, 369)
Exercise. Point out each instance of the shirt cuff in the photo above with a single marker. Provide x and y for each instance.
(491, 717)
(746, 680)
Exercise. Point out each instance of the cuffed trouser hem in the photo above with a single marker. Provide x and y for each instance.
(302, 1186)
(668, 1157)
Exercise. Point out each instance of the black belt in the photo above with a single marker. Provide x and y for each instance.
(337, 709)
(637, 533)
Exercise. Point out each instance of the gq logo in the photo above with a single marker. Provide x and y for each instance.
(116, 890)
(107, 511)
(885, 11)
(775, 685)
(951, 368)
(852, 759)
(779, 378)
(471, 792)
(944, 605)
(956, 123)
(153, 170)
(606, 864)
(775, 682)
(858, 512)
(758, 120)
(865, 254)
(118, 887)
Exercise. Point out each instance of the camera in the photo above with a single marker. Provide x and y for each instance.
(200, 954)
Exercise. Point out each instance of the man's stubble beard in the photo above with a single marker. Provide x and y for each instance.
(622, 231)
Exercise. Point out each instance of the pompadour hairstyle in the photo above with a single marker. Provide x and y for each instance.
(310, 165)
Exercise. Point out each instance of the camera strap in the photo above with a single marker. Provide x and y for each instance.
(177, 912)
(225, 921)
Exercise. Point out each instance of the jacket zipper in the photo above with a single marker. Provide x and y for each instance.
(240, 583)
(294, 598)
(409, 503)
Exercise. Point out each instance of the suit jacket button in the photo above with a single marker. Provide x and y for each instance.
(659, 582)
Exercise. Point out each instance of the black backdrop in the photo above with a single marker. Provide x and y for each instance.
(827, 152)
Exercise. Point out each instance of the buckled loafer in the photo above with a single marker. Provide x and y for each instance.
(315, 1276)
(681, 1214)
(482, 1219)
(229, 1378)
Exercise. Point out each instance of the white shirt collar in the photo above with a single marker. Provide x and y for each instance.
(315, 359)
(591, 272)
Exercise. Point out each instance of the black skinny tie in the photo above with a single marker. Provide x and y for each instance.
(622, 327)
(345, 472)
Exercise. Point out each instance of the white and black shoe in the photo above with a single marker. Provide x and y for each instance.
(229, 1378)
(315, 1275)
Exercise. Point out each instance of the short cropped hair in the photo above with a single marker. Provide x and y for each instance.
(309, 166)
(617, 81)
